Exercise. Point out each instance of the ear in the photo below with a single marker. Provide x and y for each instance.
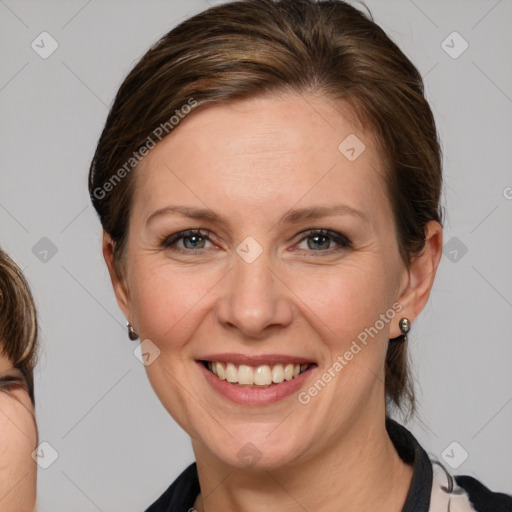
(420, 275)
(118, 284)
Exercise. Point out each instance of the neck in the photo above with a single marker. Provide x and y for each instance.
(362, 471)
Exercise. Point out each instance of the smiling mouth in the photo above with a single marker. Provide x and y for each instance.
(262, 376)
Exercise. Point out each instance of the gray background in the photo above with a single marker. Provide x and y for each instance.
(117, 447)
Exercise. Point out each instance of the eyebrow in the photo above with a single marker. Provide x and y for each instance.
(291, 217)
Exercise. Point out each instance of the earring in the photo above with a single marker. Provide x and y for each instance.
(405, 327)
(132, 333)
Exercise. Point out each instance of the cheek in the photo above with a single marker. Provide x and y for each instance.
(167, 301)
(345, 299)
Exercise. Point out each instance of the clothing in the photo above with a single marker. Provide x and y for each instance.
(432, 488)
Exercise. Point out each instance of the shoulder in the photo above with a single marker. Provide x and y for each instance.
(434, 489)
(462, 493)
(482, 498)
(181, 494)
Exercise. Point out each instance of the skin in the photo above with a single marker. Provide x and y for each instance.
(253, 161)
(18, 439)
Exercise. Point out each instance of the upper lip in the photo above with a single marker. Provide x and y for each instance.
(256, 360)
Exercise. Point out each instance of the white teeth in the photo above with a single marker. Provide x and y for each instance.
(288, 372)
(263, 375)
(245, 374)
(278, 373)
(231, 373)
(220, 371)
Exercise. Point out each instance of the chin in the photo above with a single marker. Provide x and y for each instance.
(255, 448)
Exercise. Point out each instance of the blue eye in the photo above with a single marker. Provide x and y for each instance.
(324, 237)
(195, 236)
(194, 241)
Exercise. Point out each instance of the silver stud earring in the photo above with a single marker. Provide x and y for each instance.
(405, 327)
(132, 333)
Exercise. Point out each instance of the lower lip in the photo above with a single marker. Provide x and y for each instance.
(255, 396)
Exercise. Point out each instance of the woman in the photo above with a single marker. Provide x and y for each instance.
(18, 430)
(268, 182)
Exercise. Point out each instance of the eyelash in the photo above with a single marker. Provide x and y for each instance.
(342, 241)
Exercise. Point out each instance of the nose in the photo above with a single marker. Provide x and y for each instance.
(255, 300)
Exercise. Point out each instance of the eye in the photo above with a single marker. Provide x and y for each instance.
(322, 240)
(193, 241)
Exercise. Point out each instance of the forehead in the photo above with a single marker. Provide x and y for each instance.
(263, 155)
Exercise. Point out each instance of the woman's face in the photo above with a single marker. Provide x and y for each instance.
(255, 288)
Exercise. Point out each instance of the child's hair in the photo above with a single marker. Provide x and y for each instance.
(18, 327)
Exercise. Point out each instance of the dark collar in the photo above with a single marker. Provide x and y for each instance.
(411, 452)
(181, 495)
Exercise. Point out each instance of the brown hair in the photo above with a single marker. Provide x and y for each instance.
(248, 48)
(18, 327)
